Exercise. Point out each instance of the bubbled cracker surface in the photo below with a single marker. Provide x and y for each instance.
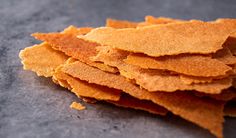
(192, 65)
(167, 39)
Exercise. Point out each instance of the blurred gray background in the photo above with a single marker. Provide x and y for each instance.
(34, 107)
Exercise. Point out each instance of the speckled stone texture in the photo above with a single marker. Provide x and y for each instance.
(34, 107)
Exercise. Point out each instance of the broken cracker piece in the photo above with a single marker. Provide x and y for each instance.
(42, 59)
(77, 106)
(205, 113)
(74, 47)
(167, 39)
(120, 23)
(192, 65)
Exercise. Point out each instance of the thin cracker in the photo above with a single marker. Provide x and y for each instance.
(74, 47)
(120, 23)
(167, 39)
(81, 88)
(192, 65)
(205, 113)
(154, 80)
(36, 58)
(161, 20)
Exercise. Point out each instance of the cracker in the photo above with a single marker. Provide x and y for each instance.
(120, 23)
(167, 39)
(231, 43)
(226, 95)
(134, 103)
(205, 113)
(74, 47)
(224, 55)
(81, 88)
(155, 80)
(77, 31)
(160, 20)
(36, 58)
(192, 65)
(61, 82)
(77, 106)
(192, 79)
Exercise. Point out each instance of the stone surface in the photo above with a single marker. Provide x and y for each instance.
(32, 106)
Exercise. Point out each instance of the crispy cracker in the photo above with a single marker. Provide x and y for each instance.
(167, 39)
(160, 20)
(226, 95)
(154, 80)
(206, 113)
(120, 23)
(192, 65)
(224, 55)
(193, 79)
(74, 47)
(231, 43)
(42, 59)
(61, 82)
(131, 102)
(77, 106)
(77, 31)
(81, 88)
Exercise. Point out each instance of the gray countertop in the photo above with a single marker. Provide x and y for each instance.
(34, 107)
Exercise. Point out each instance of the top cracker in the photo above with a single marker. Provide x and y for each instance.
(166, 39)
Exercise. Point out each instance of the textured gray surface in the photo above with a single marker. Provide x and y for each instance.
(31, 106)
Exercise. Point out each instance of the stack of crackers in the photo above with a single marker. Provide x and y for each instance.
(159, 65)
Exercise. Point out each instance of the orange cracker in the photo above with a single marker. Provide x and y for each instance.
(42, 59)
(102, 94)
(226, 95)
(155, 80)
(81, 88)
(131, 102)
(224, 55)
(35, 58)
(165, 39)
(77, 106)
(77, 31)
(120, 23)
(160, 20)
(192, 65)
(74, 47)
(231, 43)
(205, 113)
(192, 79)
